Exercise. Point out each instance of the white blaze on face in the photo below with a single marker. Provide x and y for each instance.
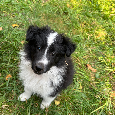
(50, 39)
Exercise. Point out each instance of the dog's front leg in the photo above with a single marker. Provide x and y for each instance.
(26, 95)
(46, 102)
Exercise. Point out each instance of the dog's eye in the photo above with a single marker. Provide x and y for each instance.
(39, 48)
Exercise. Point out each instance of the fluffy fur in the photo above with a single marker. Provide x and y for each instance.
(46, 67)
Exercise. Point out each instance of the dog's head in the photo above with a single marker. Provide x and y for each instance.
(46, 48)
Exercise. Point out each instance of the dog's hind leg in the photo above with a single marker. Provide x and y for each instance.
(46, 102)
(26, 95)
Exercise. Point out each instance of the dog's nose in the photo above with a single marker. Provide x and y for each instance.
(39, 68)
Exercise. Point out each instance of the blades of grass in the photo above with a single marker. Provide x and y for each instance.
(101, 107)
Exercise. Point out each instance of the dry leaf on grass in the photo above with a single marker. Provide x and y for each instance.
(0, 28)
(57, 102)
(22, 42)
(8, 76)
(68, 5)
(3, 106)
(112, 94)
(92, 69)
(15, 25)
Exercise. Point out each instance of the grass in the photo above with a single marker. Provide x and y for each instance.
(91, 25)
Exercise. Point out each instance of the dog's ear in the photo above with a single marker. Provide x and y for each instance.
(70, 46)
(31, 32)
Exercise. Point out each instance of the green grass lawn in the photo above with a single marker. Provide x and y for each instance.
(91, 25)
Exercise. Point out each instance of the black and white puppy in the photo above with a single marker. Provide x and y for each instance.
(46, 67)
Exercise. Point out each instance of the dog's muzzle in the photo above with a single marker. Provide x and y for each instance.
(39, 68)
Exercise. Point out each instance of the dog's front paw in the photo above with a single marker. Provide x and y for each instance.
(24, 96)
(44, 105)
(46, 102)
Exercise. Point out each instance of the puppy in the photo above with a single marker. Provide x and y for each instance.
(46, 67)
